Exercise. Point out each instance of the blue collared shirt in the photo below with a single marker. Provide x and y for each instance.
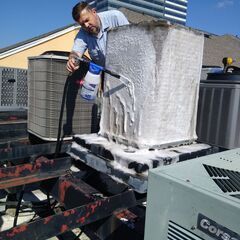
(96, 45)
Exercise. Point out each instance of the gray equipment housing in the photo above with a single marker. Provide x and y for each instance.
(46, 76)
(219, 111)
(196, 199)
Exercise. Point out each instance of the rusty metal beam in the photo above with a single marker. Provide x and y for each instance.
(70, 219)
(41, 169)
(71, 191)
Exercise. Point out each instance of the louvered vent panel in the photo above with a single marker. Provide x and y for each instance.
(236, 196)
(228, 181)
(176, 232)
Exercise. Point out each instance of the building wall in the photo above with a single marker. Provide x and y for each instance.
(172, 10)
(20, 59)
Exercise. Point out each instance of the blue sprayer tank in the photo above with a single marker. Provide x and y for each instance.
(91, 82)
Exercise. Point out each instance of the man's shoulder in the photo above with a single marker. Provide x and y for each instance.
(113, 18)
(111, 15)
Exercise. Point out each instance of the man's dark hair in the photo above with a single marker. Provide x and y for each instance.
(78, 8)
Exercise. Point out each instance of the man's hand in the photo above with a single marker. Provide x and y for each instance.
(73, 63)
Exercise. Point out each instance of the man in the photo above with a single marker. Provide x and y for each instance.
(93, 33)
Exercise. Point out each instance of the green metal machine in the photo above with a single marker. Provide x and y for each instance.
(196, 199)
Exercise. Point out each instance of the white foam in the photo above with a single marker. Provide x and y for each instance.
(161, 66)
(123, 155)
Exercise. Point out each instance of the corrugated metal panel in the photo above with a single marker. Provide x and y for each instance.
(219, 114)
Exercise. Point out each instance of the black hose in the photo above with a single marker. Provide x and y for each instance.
(59, 139)
(85, 61)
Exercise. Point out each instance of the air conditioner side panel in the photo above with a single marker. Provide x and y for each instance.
(180, 202)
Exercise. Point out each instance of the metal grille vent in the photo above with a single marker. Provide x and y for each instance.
(176, 232)
(22, 88)
(7, 87)
(13, 87)
(228, 181)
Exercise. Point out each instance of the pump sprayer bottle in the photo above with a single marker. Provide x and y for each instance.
(91, 82)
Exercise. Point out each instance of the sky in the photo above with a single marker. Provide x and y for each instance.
(215, 16)
(24, 19)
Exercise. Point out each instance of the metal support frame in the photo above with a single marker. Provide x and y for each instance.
(120, 225)
(66, 187)
(83, 203)
(70, 219)
(41, 169)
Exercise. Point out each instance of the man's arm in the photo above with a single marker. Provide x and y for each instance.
(79, 47)
(120, 18)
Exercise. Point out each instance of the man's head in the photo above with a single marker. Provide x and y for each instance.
(87, 17)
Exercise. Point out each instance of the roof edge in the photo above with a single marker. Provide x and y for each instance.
(5, 52)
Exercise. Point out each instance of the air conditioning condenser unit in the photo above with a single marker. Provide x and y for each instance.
(194, 200)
